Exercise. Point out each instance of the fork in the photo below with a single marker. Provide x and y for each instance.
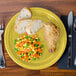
(2, 60)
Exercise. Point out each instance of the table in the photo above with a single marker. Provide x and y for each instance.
(8, 8)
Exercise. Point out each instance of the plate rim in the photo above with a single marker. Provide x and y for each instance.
(37, 68)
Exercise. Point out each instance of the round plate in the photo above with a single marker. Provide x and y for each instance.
(47, 59)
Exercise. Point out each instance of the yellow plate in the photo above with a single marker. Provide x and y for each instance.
(47, 59)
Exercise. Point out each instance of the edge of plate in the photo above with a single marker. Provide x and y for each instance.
(54, 61)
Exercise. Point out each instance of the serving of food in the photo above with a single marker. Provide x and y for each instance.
(35, 37)
(28, 47)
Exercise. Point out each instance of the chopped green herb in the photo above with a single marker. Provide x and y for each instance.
(31, 52)
(31, 39)
(26, 37)
(22, 54)
(19, 39)
(36, 45)
(27, 44)
(38, 39)
(42, 46)
(16, 49)
(40, 54)
(33, 58)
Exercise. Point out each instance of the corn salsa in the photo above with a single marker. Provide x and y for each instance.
(28, 47)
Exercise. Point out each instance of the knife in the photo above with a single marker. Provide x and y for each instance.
(74, 28)
(70, 24)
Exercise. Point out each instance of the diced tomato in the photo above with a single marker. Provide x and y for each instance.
(26, 33)
(33, 37)
(40, 51)
(26, 56)
(26, 59)
(36, 50)
(17, 45)
(27, 40)
(36, 55)
(19, 52)
(21, 44)
(22, 58)
(38, 43)
(32, 55)
(22, 37)
(27, 50)
(34, 43)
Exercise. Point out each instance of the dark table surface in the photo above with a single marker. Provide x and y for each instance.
(8, 8)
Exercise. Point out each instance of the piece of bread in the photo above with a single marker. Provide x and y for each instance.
(34, 26)
(20, 27)
(51, 35)
(24, 14)
(28, 25)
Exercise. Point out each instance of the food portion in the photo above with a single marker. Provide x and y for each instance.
(28, 25)
(51, 35)
(22, 25)
(28, 47)
(25, 13)
(34, 26)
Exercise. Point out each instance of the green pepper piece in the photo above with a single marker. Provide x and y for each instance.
(36, 45)
(40, 54)
(31, 40)
(42, 46)
(33, 58)
(22, 54)
(16, 49)
(38, 39)
(15, 42)
(31, 52)
(37, 52)
(27, 45)
(26, 37)
(19, 39)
